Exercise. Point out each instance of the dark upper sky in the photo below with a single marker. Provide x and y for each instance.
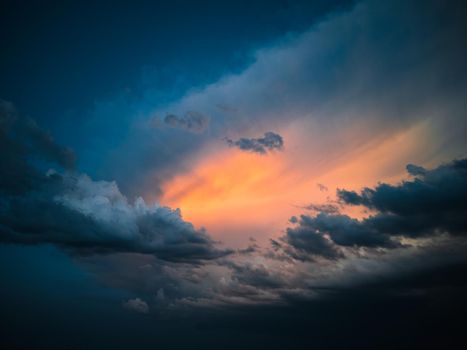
(232, 174)
(62, 56)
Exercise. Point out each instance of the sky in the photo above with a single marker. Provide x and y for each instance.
(238, 174)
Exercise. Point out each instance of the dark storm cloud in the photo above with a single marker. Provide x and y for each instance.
(21, 141)
(309, 235)
(434, 202)
(45, 145)
(269, 142)
(35, 141)
(415, 170)
(256, 276)
(75, 212)
(306, 242)
(89, 217)
(192, 121)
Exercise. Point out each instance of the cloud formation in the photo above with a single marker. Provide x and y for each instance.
(434, 203)
(82, 215)
(137, 305)
(269, 142)
(21, 142)
(191, 121)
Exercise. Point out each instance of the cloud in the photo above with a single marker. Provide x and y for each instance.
(434, 202)
(82, 215)
(307, 242)
(45, 145)
(21, 141)
(319, 256)
(415, 170)
(87, 216)
(137, 305)
(341, 73)
(323, 208)
(310, 235)
(192, 121)
(271, 141)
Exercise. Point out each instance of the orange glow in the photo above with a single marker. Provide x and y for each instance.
(237, 195)
(233, 190)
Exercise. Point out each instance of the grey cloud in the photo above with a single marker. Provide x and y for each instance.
(45, 145)
(82, 215)
(89, 217)
(309, 235)
(256, 276)
(137, 305)
(34, 140)
(315, 257)
(269, 142)
(307, 242)
(415, 170)
(435, 201)
(431, 204)
(323, 208)
(20, 140)
(192, 121)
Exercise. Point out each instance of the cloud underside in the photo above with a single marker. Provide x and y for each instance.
(262, 145)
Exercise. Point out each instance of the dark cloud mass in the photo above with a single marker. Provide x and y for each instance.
(269, 142)
(306, 239)
(22, 141)
(435, 202)
(78, 213)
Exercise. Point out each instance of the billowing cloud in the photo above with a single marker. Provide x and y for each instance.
(434, 202)
(269, 142)
(85, 216)
(306, 239)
